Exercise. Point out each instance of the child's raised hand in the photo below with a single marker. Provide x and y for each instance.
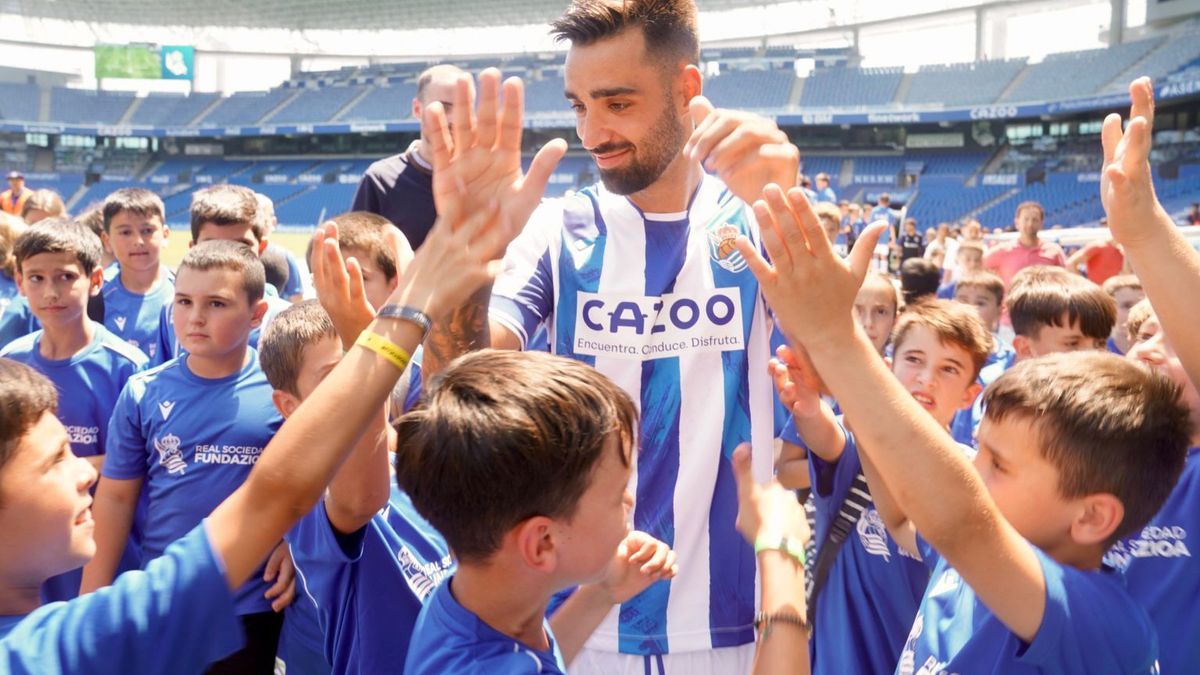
(640, 561)
(339, 286)
(767, 508)
(809, 287)
(799, 386)
(1126, 188)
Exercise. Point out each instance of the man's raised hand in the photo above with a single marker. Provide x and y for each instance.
(476, 155)
(746, 151)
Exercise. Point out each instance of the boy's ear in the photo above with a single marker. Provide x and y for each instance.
(534, 538)
(262, 246)
(260, 310)
(970, 395)
(166, 231)
(284, 402)
(96, 281)
(1021, 346)
(1100, 516)
(106, 241)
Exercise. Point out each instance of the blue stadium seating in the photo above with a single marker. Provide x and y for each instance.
(245, 107)
(750, 89)
(812, 165)
(1179, 51)
(850, 87)
(546, 94)
(315, 105)
(19, 101)
(383, 104)
(945, 199)
(1074, 74)
(170, 110)
(88, 106)
(961, 164)
(963, 83)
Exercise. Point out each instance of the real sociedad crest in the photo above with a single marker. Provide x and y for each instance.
(721, 248)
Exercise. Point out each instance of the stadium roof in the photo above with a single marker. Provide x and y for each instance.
(312, 14)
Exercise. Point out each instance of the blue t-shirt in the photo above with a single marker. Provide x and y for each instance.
(967, 420)
(369, 586)
(8, 289)
(947, 290)
(1090, 626)
(874, 587)
(295, 281)
(88, 384)
(132, 316)
(168, 346)
(449, 638)
(176, 617)
(1162, 574)
(192, 441)
(16, 320)
(1111, 345)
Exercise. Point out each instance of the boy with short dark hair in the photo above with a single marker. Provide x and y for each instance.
(178, 615)
(1054, 311)
(1126, 291)
(231, 213)
(1077, 450)
(985, 292)
(58, 270)
(139, 286)
(866, 590)
(522, 461)
(188, 432)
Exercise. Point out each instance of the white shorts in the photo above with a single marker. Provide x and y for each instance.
(726, 661)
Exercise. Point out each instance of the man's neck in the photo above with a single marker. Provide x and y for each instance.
(418, 151)
(514, 608)
(60, 342)
(673, 190)
(217, 367)
(1029, 241)
(140, 281)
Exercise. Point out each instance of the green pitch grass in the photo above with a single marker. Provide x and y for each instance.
(177, 244)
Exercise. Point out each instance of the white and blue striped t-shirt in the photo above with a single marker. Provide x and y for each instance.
(663, 305)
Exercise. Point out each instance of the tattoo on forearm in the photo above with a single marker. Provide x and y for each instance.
(463, 329)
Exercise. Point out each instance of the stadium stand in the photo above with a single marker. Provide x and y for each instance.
(88, 106)
(963, 83)
(751, 89)
(315, 105)
(19, 101)
(850, 87)
(245, 107)
(1070, 74)
(382, 104)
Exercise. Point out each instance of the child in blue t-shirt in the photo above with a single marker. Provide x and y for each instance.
(504, 435)
(870, 594)
(178, 615)
(58, 266)
(229, 213)
(1076, 451)
(187, 433)
(1126, 291)
(1161, 571)
(138, 286)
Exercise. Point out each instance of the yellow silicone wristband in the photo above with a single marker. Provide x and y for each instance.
(385, 348)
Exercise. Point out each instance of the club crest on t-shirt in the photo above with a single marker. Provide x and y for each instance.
(169, 455)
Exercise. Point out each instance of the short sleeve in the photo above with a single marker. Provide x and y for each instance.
(176, 616)
(166, 336)
(929, 555)
(295, 282)
(523, 295)
(125, 448)
(1090, 625)
(314, 539)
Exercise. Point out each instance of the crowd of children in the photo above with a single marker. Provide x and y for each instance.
(201, 472)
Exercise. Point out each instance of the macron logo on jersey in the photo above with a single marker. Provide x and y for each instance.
(640, 327)
(120, 321)
(165, 408)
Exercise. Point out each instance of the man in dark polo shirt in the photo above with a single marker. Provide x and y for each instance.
(400, 187)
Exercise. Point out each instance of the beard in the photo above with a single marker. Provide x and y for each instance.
(648, 161)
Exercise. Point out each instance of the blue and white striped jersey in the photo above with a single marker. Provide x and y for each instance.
(663, 305)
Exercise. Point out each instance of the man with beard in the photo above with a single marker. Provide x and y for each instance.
(639, 277)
